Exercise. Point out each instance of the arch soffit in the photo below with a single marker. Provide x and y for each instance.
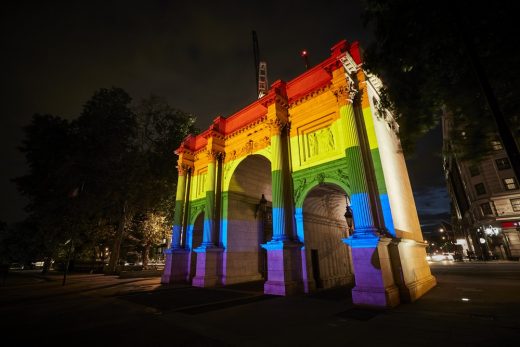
(195, 215)
(230, 170)
(330, 180)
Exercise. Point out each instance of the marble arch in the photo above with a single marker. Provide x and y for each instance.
(321, 128)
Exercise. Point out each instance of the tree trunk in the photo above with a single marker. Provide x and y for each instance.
(116, 248)
(118, 240)
(146, 252)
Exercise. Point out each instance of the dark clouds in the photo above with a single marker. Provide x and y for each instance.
(196, 54)
(426, 175)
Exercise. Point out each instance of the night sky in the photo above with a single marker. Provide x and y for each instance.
(196, 54)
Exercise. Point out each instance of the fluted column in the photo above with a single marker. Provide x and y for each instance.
(375, 285)
(362, 207)
(278, 182)
(208, 239)
(284, 261)
(176, 262)
(179, 207)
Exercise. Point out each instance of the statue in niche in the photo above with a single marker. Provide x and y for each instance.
(313, 144)
(330, 138)
(319, 135)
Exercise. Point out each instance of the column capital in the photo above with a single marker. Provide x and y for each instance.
(345, 94)
(183, 169)
(214, 155)
(275, 126)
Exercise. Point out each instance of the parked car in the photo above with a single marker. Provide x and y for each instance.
(441, 257)
(37, 265)
(16, 266)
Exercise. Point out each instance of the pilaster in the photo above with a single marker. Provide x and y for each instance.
(411, 269)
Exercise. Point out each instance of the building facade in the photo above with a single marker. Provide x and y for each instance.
(305, 188)
(486, 201)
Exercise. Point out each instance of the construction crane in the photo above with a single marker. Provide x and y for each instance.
(262, 84)
(262, 79)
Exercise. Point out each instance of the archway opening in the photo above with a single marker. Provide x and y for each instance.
(248, 221)
(328, 259)
(194, 240)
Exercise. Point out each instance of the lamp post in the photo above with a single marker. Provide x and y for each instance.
(261, 206)
(349, 217)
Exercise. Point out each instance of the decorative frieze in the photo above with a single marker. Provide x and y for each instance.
(305, 179)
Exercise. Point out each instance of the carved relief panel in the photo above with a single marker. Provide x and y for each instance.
(318, 139)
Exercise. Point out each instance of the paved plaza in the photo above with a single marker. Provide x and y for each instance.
(474, 304)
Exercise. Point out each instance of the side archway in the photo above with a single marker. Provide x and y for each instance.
(245, 226)
(323, 226)
(193, 240)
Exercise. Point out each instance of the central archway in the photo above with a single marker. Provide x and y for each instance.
(248, 221)
(328, 261)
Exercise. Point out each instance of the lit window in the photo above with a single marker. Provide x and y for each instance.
(486, 209)
(496, 145)
(474, 171)
(503, 164)
(510, 183)
(516, 204)
(480, 188)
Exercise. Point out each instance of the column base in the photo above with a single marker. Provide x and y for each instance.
(283, 268)
(208, 261)
(175, 266)
(375, 285)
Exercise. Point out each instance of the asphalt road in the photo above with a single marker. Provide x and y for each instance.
(474, 304)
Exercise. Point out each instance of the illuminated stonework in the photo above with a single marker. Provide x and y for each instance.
(262, 194)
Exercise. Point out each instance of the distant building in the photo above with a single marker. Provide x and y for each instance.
(486, 201)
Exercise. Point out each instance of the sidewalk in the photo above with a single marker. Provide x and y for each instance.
(474, 304)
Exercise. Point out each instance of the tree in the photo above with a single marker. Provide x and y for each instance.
(148, 230)
(125, 158)
(161, 129)
(47, 185)
(425, 61)
(105, 156)
(88, 178)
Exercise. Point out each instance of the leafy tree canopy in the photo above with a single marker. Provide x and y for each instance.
(89, 177)
(420, 54)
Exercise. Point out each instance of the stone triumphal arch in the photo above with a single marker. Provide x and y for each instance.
(305, 188)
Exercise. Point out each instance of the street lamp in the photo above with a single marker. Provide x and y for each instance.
(261, 206)
(349, 217)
